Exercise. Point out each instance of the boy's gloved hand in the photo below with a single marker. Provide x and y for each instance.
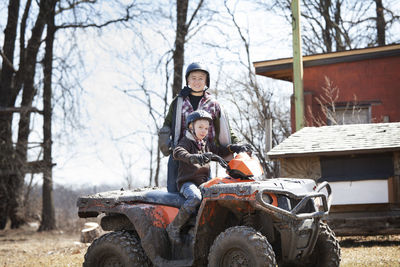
(199, 159)
(238, 148)
(208, 155)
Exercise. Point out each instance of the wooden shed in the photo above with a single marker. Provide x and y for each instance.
(367, 79)
(361, 162)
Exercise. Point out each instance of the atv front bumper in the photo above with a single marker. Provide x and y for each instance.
(298, 230)
(296, 212)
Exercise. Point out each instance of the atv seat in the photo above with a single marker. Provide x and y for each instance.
(158, 196)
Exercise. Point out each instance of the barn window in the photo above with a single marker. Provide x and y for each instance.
(357, 167)
(350, 114)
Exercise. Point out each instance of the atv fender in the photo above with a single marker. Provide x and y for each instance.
(150, 221)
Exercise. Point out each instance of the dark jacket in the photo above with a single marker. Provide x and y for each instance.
(195, 173)
(170, 130)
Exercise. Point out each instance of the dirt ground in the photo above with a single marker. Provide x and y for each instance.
(370, 251)
(26, 247)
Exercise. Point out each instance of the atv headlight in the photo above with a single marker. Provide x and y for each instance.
(267, 198)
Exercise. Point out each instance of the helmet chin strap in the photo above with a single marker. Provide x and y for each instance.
(193, 132)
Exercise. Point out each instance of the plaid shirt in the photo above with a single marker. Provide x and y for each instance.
(207, 103)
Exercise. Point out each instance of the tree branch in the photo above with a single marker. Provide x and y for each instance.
(7, 61)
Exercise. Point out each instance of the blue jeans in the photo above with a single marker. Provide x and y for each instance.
(172, 174)
(193, 197)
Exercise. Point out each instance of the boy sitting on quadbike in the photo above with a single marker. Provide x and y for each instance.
(194, 154)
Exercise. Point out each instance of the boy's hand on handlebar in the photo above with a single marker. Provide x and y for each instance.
(209, 156)
(200, 158)
(238, 148)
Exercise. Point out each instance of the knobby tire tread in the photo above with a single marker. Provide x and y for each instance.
(265, 256)
(127, 243)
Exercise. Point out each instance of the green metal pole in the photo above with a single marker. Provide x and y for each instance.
(297, 66)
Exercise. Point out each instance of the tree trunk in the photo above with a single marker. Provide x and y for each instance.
(327, 31)
(48, 215)
(22, 51)
(338, 36)
(6, 92)
(23, 130)
(380, 23)
(179, 52)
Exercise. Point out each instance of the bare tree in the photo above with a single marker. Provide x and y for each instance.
(24, 76)
(7, 95)
(48, 214)
(254, 105)
(375, 22)
(182, 29)
(336, 25)
(385, 18)
(25, 81)
(155, 116)
(187, 25)
(380, 23)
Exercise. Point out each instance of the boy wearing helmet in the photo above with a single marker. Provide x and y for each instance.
(194, 96)
(193, 154)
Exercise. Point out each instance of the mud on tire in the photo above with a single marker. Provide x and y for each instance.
(241, 246)
(116, 249)
(327, 249)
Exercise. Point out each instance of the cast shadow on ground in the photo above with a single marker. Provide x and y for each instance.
(351, 243)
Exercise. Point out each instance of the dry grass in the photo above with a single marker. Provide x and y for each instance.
(370, 251)
(26, 247)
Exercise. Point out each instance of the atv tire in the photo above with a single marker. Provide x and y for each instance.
(119, 248)
(327, 249)
(241, 246)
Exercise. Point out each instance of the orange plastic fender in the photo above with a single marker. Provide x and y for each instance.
(162, 215)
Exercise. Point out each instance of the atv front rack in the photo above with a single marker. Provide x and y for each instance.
(293, 213)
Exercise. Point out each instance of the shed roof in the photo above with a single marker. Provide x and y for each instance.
(340, 140)
(282, 69)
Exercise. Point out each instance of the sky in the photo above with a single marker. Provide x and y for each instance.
(96, 158)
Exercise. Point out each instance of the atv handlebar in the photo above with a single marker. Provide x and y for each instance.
(220, 160)
(302, 203)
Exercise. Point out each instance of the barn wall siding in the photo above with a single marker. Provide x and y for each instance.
(307, 167)
(394, 182)
(396, 163)
(310, 168)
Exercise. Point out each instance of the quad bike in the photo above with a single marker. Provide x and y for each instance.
(240, 222)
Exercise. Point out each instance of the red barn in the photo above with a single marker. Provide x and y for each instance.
(360, 161)
(368, 81)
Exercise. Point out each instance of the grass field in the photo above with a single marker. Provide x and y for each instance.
(26, 247)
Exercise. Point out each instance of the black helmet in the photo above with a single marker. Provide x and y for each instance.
(197, 66)
(198, 115)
